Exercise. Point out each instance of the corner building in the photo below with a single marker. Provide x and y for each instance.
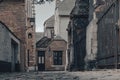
(18, 16)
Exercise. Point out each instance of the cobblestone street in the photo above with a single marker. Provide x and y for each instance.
(38, 76)
(95, 75)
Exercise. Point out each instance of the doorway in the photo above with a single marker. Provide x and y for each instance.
(14, 57)
(41, 60)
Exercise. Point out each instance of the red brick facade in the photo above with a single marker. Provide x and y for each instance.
(30, 36)
(54, 45)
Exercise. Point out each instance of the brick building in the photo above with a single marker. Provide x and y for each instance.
(30, 36)
(12, 13)
(50, 49)
(18, 16)
(51, 54)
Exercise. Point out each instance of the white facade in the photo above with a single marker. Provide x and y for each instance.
(61, 27)
(62, 14)
(91, 35)
(49, 27)
(57, 23)
(49, 32)
(91, 40)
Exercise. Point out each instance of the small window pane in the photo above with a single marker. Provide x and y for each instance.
(57, 57)
(39, 59)
(43, 60)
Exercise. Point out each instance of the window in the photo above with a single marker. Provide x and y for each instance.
(52, 33)
(57, 57)
(41, 60)
(29, 35)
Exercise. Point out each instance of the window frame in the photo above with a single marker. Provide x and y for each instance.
(57, 57)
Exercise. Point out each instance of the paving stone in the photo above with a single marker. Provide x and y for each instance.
(95, 75)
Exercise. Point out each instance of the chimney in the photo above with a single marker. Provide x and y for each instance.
(57, 3)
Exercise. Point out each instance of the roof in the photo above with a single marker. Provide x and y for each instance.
(38, 36)
(58, 38)
(49, 22)
(43, 43)
(66, 6)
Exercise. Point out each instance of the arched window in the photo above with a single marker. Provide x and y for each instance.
(29, 35)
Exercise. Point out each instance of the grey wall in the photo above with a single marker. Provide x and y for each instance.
(5, 43)
(9, 54)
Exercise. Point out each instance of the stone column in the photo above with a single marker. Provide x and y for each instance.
(30, 36)
(79, 21)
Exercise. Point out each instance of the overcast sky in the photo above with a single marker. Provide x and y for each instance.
(43, 12)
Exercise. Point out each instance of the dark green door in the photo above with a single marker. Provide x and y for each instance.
(41, 60)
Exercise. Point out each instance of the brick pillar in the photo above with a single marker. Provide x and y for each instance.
(30, 37)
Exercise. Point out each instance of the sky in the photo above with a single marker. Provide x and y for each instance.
(43, 12)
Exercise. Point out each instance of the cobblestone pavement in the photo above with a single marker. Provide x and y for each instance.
(38, 76)
(87, 75)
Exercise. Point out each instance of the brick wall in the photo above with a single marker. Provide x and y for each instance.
(56, 45)
(12, 13)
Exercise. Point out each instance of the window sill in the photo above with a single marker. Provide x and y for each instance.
(57, 65)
